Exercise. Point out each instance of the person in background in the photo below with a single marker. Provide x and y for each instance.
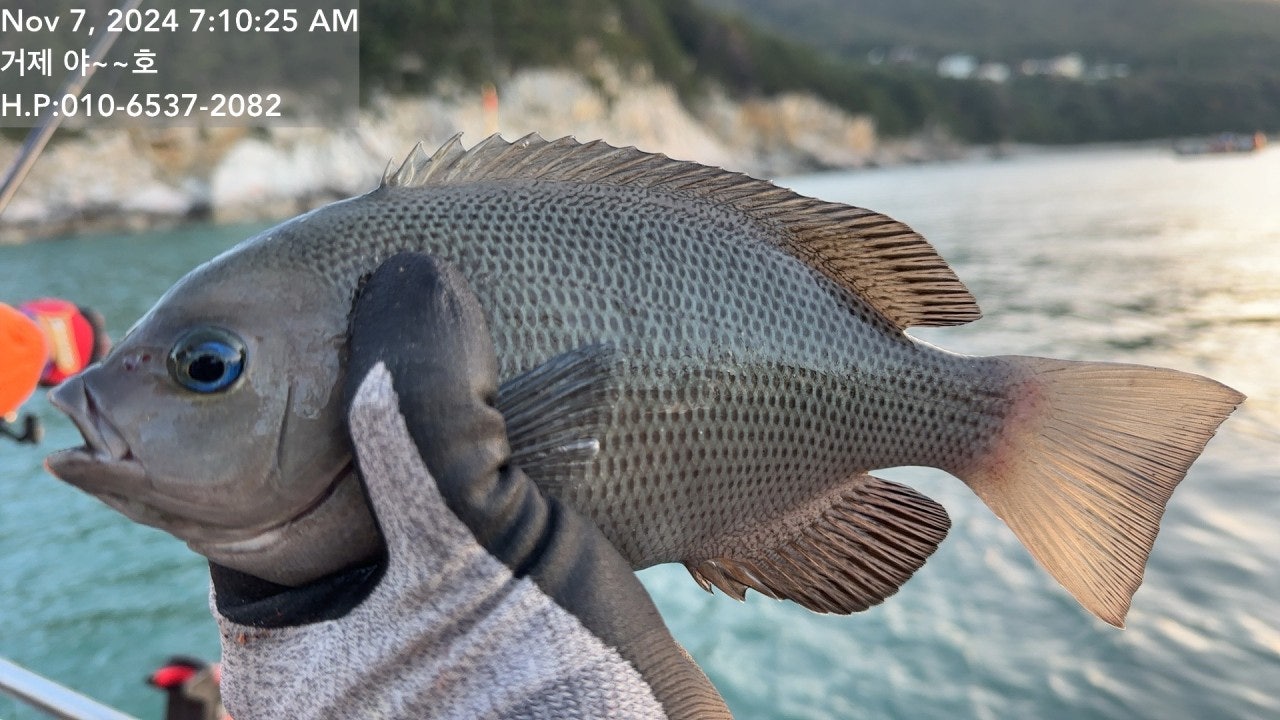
(42, 343)
(23, 354)
(76, 337)
(191, 689)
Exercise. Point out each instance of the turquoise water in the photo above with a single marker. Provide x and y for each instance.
(1124, 255)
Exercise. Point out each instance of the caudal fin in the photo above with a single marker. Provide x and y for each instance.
(1087, 461)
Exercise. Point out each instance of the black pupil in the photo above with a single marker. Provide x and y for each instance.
(207, 367)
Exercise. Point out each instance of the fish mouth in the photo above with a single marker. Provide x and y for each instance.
(105, 457)
(105, 467)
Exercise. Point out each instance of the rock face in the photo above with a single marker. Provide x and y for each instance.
(112, 179)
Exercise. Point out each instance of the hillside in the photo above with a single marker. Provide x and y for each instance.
(659, 74)
(418, 45)
(1189, 66)
(1193, 37)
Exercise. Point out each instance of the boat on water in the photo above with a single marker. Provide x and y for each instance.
(1223, 143)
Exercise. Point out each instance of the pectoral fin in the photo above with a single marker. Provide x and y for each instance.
(556, 412)
(850, 550)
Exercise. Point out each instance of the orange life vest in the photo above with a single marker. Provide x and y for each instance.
(73, 340)
(22, 358)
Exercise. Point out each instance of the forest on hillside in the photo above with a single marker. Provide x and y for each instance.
(1194, 37)
(1192, 66)
(1197, 66)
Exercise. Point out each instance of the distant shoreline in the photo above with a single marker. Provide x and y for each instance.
(108, 219)
(134, 179)
(140, 179)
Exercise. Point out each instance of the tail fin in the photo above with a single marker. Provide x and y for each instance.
(1087, 461)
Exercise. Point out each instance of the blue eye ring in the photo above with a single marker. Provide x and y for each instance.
(207, 360)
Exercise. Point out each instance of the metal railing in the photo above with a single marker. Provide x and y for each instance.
(47, 695)
(41, 133)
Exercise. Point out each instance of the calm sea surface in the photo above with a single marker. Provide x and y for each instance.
(1123, 255)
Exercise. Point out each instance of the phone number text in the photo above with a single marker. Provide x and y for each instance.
(143, 105)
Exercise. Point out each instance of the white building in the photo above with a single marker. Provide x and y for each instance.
(993, 72)
(957, 66)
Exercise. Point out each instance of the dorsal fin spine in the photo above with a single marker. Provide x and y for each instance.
(879, 259)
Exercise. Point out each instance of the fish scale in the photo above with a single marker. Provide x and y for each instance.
(784, 330)
(705, 364)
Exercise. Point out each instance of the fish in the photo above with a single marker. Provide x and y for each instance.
(707, 365)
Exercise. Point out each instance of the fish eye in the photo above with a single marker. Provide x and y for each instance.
(207, 360)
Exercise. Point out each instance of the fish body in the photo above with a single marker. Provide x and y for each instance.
(756, 370)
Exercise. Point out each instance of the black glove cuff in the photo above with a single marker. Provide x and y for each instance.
(247, 600)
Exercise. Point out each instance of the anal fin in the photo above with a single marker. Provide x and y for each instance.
(853, 548)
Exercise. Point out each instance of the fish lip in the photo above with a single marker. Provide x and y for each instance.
(103, 441)
(104, 444)
(105, 467)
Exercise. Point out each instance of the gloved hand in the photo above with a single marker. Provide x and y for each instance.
(493, 600)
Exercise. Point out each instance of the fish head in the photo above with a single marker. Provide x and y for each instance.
(218, 419)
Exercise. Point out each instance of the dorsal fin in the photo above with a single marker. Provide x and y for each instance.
(880, 259)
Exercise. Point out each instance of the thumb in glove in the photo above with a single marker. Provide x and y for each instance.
(419, 343)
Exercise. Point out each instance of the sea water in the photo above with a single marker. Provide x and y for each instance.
(1128, 255)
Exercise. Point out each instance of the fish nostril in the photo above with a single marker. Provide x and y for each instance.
(131, 362)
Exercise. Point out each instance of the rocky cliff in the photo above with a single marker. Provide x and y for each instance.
(132, 179)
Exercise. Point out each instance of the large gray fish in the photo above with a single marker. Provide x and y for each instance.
(758, 370)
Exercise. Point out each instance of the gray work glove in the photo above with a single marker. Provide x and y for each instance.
(493, 600)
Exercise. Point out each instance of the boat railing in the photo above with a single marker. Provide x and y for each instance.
(56, 700)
